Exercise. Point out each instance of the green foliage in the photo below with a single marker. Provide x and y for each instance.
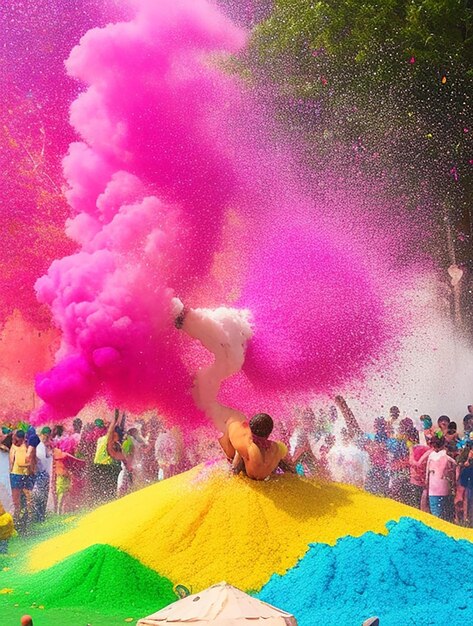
(391, 81)
(437, 31)
(390, 70)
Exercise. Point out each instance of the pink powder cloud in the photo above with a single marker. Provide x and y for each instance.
(170, 144)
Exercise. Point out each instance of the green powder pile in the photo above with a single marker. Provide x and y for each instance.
(103, 578)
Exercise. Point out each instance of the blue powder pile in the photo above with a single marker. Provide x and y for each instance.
(413, 576)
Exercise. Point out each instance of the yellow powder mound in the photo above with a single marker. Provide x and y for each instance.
(206, 525)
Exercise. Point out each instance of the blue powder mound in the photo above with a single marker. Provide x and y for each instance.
(413, 576)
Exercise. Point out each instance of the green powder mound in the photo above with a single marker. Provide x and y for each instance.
(103, 578)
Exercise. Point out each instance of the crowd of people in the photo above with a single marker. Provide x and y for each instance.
(430, 467)
(64, 469)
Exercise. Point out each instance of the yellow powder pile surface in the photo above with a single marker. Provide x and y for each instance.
(206, 525)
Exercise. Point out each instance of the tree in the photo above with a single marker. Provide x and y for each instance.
(394, 77)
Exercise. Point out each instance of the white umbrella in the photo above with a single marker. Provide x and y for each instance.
(222, 605)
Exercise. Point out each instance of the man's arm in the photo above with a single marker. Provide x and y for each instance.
(237, 464)
(354, 429)
(422, 459)
(227, 446)
(114, 448)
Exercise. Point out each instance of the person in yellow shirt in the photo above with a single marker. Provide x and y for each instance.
(21, 478)
(105, 471)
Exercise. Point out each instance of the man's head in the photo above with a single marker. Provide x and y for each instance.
(261, 425)
(452, 428)
(77, 425)
(45, 434)
(438, 441)
(6, 440)
(33, 441)
(380, 425)
(468, 423)
(443, 422)
(407, 428)
(58, 431)
(26, 620)
(18, 437)
(426, 421)
(470, 409)
(394, 412)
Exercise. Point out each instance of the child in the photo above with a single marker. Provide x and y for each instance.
(440, 476)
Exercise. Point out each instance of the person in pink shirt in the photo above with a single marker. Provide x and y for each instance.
(440, 478)
(418, 456)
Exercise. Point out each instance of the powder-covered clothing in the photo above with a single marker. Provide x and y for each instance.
(44, 459)
(399, 454)
(418, 473)
(59, 465)
(40, 495)
(466, 477)
(5, 487)
(378, 453)
(18, 460)
(440, 473)
(102, 456)
(442, 507)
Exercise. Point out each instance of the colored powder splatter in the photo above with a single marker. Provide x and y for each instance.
(314, 308)
(102, 578)
(35, 38)
(414, 575)
(168, 149)
(203, 526)
(112, 298)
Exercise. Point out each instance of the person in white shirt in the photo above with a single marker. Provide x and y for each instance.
(5, 487)
(44, 468)
(348, 463)
(168, 452)
(305, 441)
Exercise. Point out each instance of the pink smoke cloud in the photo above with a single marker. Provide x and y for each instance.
(170, 144)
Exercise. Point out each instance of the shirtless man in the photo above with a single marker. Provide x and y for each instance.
(243, 443)
(248, 444)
